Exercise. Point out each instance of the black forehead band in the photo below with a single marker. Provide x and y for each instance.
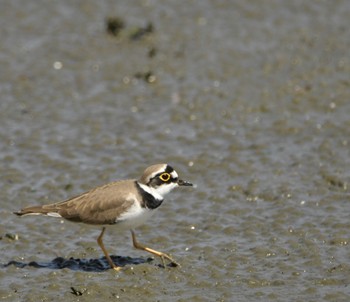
(169, 169)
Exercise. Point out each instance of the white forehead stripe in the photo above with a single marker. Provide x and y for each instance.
(174, 174)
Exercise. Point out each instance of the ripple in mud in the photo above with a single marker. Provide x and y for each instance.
(89, 265)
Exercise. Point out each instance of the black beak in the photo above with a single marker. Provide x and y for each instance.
(184, 183)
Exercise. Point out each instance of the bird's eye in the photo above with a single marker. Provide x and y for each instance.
(164, 177)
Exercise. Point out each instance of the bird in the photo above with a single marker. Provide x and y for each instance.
(124, 204)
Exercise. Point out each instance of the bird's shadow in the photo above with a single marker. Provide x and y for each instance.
(76, 264)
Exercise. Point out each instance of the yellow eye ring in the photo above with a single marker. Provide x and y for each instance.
(165, 177)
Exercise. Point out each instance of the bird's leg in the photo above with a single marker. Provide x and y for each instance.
(100, 243)
(139, 246)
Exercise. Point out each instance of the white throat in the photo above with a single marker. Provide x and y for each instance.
(159, 192)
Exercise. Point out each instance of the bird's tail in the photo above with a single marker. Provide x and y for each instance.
(38, 210)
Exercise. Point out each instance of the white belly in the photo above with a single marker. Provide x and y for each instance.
(135, 217)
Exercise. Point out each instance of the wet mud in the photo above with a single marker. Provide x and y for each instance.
(249, 100)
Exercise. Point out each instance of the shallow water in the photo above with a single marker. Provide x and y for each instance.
(250, 101)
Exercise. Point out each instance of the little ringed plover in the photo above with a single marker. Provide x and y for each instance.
(125, 204)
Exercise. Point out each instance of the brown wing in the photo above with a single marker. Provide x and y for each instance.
(101, 205)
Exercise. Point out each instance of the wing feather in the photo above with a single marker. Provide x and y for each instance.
(102, 205)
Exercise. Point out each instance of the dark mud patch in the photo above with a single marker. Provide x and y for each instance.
(88, 265)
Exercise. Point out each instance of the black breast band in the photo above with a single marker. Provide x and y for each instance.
(148, 200)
